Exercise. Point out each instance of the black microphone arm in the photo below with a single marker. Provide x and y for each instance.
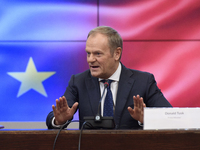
(98, 116)
(99, 122)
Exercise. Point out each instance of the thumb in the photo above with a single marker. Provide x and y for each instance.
(131, 111)
(74, 107)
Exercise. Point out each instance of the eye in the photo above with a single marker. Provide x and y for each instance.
(98, 54)
(88, 53)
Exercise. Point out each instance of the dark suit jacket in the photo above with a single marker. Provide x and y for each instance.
(84, 89)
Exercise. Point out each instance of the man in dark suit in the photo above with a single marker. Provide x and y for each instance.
(132, 90)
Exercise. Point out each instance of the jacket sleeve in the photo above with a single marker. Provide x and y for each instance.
(154, 96)
(71, 96)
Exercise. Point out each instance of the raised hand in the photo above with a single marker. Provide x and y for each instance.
(62, 112)
(138, 112)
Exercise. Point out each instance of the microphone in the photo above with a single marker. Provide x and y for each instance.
(98, 122)
(98, 116)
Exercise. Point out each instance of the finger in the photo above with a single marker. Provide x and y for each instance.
(60, 102)
(141, 102)
(134, 101)
(54, 109)
(64, 102)
(74, 107)
(138, 101)
(57, 104)
(144, 105)
(138, 97)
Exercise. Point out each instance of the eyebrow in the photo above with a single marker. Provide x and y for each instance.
(94, 51)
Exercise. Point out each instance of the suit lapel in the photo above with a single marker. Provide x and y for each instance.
(93, 91)
(124, 87)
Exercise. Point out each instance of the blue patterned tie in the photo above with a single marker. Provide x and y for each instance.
(108, 103)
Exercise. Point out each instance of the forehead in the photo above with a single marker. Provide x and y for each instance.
(97, 39)
(97, 42)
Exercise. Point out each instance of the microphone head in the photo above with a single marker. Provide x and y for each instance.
(106, 84)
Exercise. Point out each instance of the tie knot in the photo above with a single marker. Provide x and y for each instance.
(109, 82)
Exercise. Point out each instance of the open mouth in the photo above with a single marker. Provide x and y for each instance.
(94, 66)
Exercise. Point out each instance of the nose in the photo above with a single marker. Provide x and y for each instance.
(91, 58)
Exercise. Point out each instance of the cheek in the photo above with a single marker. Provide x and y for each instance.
(103, 64)
(87, 59)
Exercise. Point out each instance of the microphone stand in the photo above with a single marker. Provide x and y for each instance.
(99, 122)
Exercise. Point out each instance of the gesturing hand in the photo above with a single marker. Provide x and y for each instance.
(138, 112)
(62, 112)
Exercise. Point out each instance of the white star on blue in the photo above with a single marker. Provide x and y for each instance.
(31, 79)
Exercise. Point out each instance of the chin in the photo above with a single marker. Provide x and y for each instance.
(95, 74)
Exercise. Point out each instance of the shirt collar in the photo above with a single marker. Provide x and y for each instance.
(115, 76)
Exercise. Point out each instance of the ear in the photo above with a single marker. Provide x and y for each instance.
(117, 53)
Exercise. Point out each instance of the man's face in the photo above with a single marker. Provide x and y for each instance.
(101, 62)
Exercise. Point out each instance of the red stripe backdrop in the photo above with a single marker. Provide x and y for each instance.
(161, 37)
